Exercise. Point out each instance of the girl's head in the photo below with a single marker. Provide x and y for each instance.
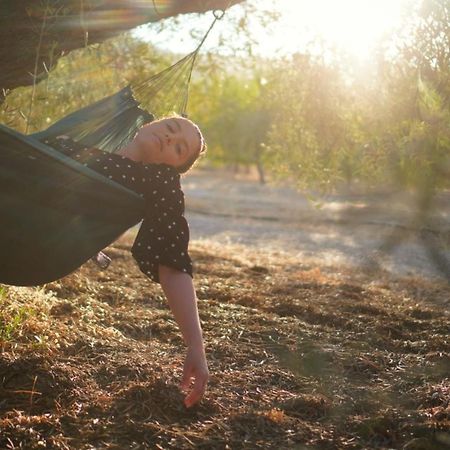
(174, 141)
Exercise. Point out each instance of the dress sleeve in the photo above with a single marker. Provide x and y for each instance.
(118, 168)
(163, 237)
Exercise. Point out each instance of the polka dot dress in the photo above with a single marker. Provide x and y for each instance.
(163, 237)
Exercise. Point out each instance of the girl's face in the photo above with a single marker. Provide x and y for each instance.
(172, 141)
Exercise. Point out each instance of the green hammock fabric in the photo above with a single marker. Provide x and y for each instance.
(56, 213)
(108, 124)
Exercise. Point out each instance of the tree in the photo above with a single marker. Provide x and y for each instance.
(231, 109)
(312, 140)
(417, 104)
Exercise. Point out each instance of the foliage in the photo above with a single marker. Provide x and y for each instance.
(311, 134)
(236, 119)
(81, 78)
(331, 126)
(12, 319)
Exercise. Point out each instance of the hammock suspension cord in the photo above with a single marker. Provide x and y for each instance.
(178, 74)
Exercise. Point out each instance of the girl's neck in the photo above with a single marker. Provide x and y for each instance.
(131, 151)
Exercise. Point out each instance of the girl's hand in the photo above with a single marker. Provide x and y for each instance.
(180, 292)
(195, 369)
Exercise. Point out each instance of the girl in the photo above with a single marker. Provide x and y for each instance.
(151, 165)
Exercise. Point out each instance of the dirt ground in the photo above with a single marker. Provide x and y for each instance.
(381, 229)
(302, 355)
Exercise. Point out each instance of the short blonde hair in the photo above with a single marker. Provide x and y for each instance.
(201, 150)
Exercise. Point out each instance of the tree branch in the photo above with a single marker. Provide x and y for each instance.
(72, 23)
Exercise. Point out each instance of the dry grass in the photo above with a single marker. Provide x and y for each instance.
(301, 357)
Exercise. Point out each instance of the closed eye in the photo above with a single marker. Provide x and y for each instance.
(170, 127)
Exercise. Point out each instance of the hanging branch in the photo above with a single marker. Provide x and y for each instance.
(99, 21)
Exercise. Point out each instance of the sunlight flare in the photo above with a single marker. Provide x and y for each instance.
(353, 26)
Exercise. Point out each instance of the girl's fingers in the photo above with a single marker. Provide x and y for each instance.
(186, 380)
(197, 391)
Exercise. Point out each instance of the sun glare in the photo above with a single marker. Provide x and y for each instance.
(353, 26)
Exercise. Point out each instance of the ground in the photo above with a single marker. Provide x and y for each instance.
(385, 229)
(301, 354)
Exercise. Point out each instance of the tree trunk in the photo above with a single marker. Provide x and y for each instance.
(261, 173)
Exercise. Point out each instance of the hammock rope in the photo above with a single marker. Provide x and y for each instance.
(178, 74)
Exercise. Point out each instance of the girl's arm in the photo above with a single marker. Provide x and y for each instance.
(180, 293)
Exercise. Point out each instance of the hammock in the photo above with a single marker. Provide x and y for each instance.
(57, 213)
(108, 124)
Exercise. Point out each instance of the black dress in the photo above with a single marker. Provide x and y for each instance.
(163, 237)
